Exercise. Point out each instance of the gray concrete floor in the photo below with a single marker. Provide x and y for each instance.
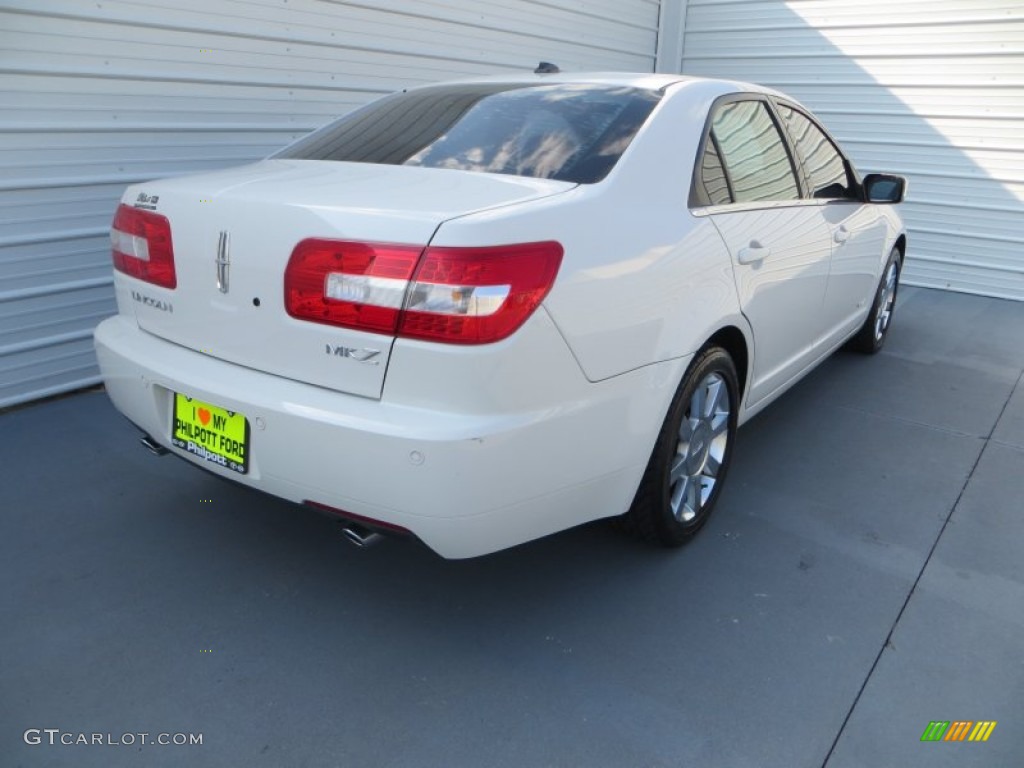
(862, 577)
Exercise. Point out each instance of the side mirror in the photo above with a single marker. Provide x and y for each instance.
(884, 188)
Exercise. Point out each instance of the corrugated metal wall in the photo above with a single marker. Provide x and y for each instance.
(933, 89)
(97, 95)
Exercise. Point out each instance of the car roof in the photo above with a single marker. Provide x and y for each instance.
(644, 80)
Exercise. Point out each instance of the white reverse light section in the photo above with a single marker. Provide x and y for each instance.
(364, 289)
(130, 245)
(471, 300)
(437, 298)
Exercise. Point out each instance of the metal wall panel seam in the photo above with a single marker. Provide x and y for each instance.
(69, 386)
(1012, 268)
(150, 128)
(60, 338)
(971, 235)
(228, 31)
(54, 237)
(55, 288)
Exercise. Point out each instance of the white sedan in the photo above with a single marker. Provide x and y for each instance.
(481, 312)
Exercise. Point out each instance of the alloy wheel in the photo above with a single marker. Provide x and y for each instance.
(701, 448)
(886, 302)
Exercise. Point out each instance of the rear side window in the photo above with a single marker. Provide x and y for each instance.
(715, 182)
(568, 132)
(746, 144)
(822, 161)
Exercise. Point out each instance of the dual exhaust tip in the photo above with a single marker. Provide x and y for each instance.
(153, 446)
(359, 536)
(355, 534)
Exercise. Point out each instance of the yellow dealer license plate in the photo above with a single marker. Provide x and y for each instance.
(211, 433)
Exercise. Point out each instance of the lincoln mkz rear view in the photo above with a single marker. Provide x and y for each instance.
(481, 312)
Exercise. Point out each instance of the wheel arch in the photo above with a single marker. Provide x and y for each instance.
(901, 245)
(734, 341)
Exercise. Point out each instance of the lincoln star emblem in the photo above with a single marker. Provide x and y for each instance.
(223, 261)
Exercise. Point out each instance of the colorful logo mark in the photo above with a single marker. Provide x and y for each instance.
(958, 730)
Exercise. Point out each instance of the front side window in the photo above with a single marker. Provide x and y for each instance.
(822, 161)
(751, 151)
(568, 132)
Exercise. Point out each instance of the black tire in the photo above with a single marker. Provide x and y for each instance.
(871, 336)
(651, 516)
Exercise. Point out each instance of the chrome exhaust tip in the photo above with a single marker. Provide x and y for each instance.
(152, 446)
(359, 536)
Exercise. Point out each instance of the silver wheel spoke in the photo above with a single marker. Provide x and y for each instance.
(686, 430)
(690, 504)
(714, 464)
(717, 391)
(701, 448)
(678, 469)
(886, 302)
(698, 401)
(679, 492)
(706, 486)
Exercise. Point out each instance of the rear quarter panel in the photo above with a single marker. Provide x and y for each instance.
(642, 280)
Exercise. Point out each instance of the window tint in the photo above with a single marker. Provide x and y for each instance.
(753, 153)
(570, 132)
(819, 156)
(715, 183)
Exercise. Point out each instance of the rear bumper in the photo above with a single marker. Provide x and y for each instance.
(465, 482)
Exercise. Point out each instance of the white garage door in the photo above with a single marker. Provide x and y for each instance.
(933, 89)
(97, 95)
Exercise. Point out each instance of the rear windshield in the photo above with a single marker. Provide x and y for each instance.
(569, 132)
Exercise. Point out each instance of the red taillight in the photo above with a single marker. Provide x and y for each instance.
(478, 295)
(354, 285)
(142, 246)
(451, 295)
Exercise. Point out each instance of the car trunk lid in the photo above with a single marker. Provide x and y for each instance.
(234, 231)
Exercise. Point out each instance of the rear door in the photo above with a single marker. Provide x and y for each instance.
(857, 229)
(747, 182)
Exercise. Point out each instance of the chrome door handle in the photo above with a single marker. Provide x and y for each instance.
(753, 253)
(841, 235)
